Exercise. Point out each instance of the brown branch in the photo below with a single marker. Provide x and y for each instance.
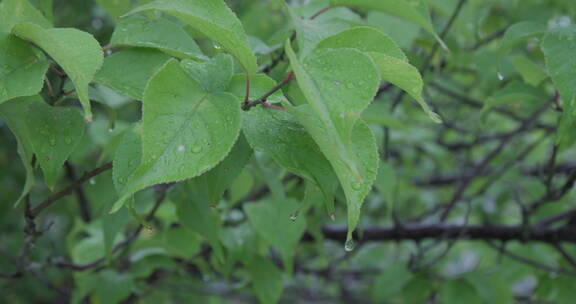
(69, 189)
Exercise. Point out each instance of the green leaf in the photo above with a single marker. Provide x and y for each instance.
(272, 221)
(13, 12)
(77, 52)
(128, 71)
(558, 47)
(115, 8)
(221, 177)
(400, 8)
(267, 280)
(390, 282)
(213, 19)
(519, 32)
(406, 77)
(21, 70)
(54, 133)
(159, 33)
(214, 75)
(288, 143)
(13, 113)
(180, 242)
(388, 58)
(457, 291)
(127, 158)
(195, 213)
(339, 84)
(516, 92)
(185, 131)
(530, 71)
(365, 39)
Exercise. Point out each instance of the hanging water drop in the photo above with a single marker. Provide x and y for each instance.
(349, 245)
(92, 181)
(294, 216)
(500, 76)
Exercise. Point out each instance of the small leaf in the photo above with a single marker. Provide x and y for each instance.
(267, 280)
(77, 52)
(159, 33)
(21, 70)
(365, 39)
(519, 32)
(195, 213)
(213, 19)
(185, 130)
(128, 71)
(456, 291)
(13, 12)
(400, 8)
(272, 221)
(54, 133)
(530, 71)
(115, 8)
(214, 75)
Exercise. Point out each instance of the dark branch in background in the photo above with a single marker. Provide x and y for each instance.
(83, 203)
(419, 232)
(68, 190)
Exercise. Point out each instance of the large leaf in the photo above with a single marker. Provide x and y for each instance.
(115, 8)
(128, 71)
(213, 19)
(388, 58)
(399, 8)
(13, 113)
(159, 33)
(185, 132)
(272, 221)
(338, 85)
(77, 52)
(214, 75)
(54, 133)
(13, 12)
(559, 47)
(21, 70)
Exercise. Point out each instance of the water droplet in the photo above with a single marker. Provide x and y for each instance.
(92, 181)
(294, 216)
(500, 76)
(110, 130)
(333, 216)
(217, 46)
(336, 83)
(356, 186)
(342, 115)
(181, 148)
(197, 149)
(349, 245)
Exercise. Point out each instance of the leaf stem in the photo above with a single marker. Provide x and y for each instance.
(261, 99)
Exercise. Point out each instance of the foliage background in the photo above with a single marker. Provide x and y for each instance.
(499, 158)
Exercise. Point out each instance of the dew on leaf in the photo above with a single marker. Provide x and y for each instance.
(197, 149)
(181, 148)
